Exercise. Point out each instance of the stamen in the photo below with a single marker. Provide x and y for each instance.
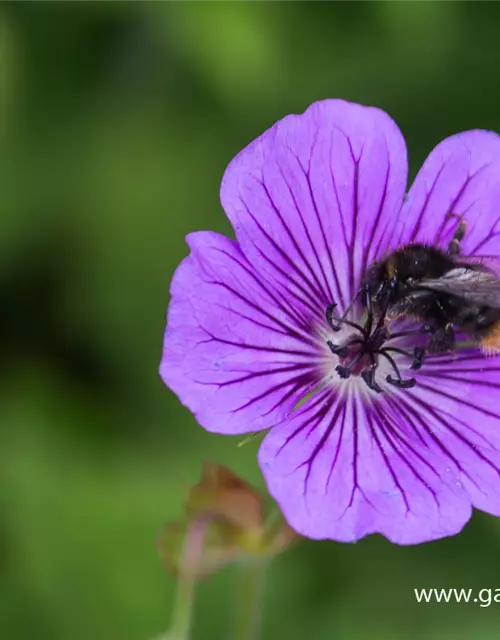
(399, 381)
(402, 384)
(345, 372)
(369, 377)
(364, 348)
(337, 350)
(329, 318)
(418, 355)
(403, 352)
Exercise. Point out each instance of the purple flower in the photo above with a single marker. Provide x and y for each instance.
(314, 202)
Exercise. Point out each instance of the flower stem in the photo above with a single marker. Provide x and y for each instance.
(183, 606)
(250, 595)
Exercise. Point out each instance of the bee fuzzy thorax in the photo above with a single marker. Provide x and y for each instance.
(441, 288)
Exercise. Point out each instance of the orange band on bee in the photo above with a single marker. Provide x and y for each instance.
(391, 267)
(490, 344)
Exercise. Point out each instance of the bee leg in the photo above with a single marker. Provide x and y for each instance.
(419, 354)
(443, 339)
(454, 248)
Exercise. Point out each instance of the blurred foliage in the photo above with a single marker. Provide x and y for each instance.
(116, 123)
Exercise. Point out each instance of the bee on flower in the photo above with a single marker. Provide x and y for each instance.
(382, 414)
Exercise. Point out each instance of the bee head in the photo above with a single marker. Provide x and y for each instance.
(380, 285)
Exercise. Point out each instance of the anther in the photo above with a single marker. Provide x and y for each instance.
(329, 317)
(344, 372)
(331, 320)
(400, 383)
(369, 377)
(341, 351)
(369, 343)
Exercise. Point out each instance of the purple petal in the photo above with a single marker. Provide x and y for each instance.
(314, 199)
(462, 176)
(457, 399)
(343, 471)
(237, 353)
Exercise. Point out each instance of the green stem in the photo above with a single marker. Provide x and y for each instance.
(250, 596)
(183, 606)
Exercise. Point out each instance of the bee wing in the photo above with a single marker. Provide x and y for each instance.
(481, 263)
(474, 285)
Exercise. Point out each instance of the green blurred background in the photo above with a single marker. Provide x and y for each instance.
(116, 123)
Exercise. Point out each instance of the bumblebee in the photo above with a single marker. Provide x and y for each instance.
(445, 290)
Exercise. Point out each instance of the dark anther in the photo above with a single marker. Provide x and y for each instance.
(332, 319)
(329, 317)
(419, 354)
(337, 350)
(360, 353)
(344, 372)
(369, 377)
(398, 381)
(402, 384)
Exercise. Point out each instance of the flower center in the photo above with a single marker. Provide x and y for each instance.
(361, 353)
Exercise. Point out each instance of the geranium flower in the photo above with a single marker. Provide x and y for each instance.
(351, 450)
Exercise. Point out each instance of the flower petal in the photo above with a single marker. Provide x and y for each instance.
(457, 400)
(235, 352)
(314, 198)
(343, 471)
(462, 176)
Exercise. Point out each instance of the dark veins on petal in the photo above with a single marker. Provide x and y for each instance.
(399, 442)
(493, 233)
(324, 439)
(378, 249)
(331, 407)
(353, 277)
(323, 402)
(326, 244)
(301, 375)
(420, 219)
(293, 387)
(326, 290)
(401, 428)
(354, 216)
(298, 385)
(416, 408)
(310, 292)
(281, 303)
(451, 208)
